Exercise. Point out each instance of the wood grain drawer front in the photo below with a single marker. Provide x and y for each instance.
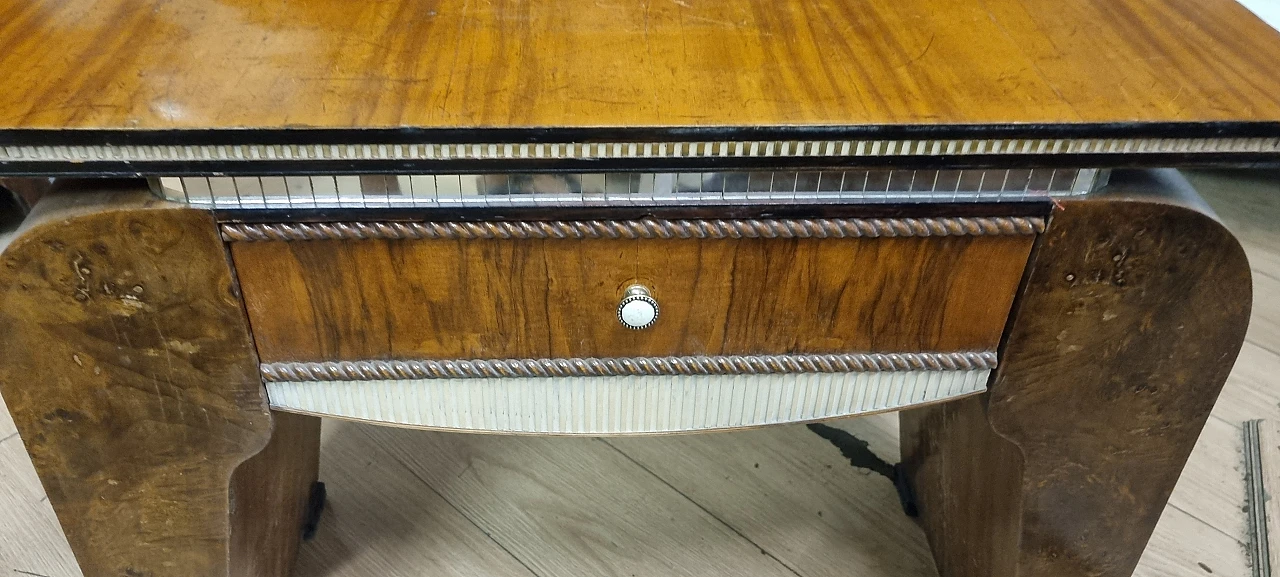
(324, 300)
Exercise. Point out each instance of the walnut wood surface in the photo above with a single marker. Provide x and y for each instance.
(269, 497)
(1132, 315)
(130, 373)
(582, 63)
(411, 299)
(966, 480)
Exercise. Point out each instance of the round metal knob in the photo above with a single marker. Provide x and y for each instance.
(637, 310)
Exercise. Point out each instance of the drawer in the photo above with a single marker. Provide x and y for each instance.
(513, 327)
(538, 298)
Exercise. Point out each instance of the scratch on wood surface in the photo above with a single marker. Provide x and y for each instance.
(718, 22)
(159, 399)
(922, 52)
(168, 378)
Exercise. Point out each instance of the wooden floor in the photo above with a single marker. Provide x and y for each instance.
(772, 502)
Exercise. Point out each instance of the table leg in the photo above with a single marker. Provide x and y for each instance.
(130, 372)
(1131, 317)
(272, 492)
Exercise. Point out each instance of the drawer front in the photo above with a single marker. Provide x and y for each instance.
(547, 298)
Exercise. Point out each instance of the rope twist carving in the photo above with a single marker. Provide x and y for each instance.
(637, 229)
(631, 366)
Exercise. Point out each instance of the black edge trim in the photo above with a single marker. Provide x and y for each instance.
(478, 135)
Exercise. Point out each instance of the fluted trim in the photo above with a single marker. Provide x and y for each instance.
(638, 229)
(634, 366)
(627, 405)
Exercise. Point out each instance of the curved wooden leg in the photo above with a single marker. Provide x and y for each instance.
(1133, 311)
(129, 370)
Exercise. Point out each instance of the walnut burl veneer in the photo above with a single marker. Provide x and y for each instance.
(193, 64)
(131, 375)
(1131, 316)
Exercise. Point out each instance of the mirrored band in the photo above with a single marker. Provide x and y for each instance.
(627, 188)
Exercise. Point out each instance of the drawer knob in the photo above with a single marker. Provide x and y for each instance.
(637, 310)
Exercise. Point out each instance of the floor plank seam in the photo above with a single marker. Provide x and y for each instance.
(1233, 424)
(451, 504)
(4, 440)
(735, 530)
(1261, 272)
(1207, 524)
(1262, 346)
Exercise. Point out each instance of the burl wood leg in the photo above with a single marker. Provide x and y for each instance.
(1133, 311)
(129, 369)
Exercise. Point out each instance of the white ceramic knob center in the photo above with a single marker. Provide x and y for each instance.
(638, 313)
(638, 310)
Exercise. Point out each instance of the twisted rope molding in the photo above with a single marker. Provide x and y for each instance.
(634, 366)
(638, 229)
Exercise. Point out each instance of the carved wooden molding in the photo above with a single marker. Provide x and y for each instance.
(638, 229)
(634, 366)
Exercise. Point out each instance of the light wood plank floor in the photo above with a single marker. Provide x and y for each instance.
(772, 502)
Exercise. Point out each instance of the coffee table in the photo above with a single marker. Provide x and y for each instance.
(573, 218)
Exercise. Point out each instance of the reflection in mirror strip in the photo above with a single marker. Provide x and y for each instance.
(628, 189)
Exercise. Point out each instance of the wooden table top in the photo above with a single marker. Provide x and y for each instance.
(145, 65)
